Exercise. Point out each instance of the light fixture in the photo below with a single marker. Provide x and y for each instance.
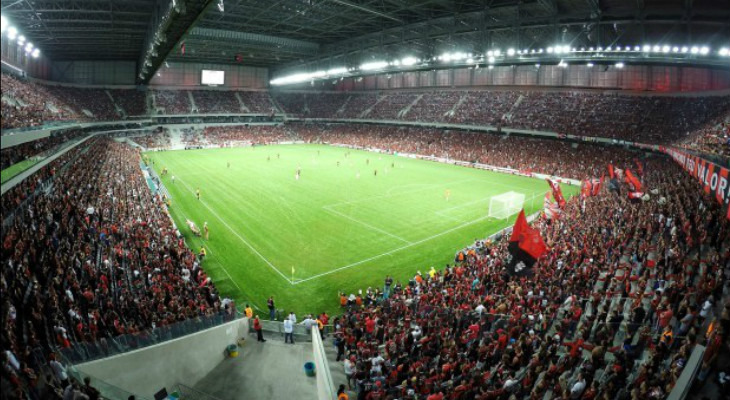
(36, 53)
(724, 52)
(490, 67)
(637, 48)
(694, 50)
(491, 60)
(589, 65)
(675, 49)
(490, 53)
(373, 65)
(619, 65)
(656, 48)
(704, 50)
(510, 52)
(497, 52)
(550, 50)
(221, 7)
(21, 40)
(28, 47)
(337, 71)
(684, 49)
(646, 48)
(407, 61)
(665, 49)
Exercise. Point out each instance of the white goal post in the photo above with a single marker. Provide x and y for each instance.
(506, 204)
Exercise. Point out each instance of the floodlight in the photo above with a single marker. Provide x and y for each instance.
(373, 65)
(490, 53)
(28, 47)
(656, 48)
(590, 48)
(600, 48)
(336, 71)
(537, 65)
(409, 61)
(646, 48)
(608, 48)
(491, 60)
(36, 53)
(665, 49)
(637, 48)
(675, 49)
(21, 40)
(12, 33)
(490, 67)
(510, 52)
(566, 48)
(704, 50)
(589, 65)
(619, 65)
(684, 49)
(540, 51)
(694, 50)
(724, 52)
(497, 53)
(550, 50)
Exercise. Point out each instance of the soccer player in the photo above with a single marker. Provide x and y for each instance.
(375, 173)
(338, 163)
(367, 161)
(205, 229)
(268, 158)
(228, 164)
(202, 253)
(447, 194)
(298, 174)
(173, 179)
(197, 193)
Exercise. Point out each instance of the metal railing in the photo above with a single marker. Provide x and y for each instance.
(81, 352)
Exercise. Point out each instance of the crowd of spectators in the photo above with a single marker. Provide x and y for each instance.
(33, 104)
(226, 136)
(433, 106)
(161, 139)
(94, 257)
(216, 101)
(173, 101)
(551, 157)
(132, 101)
(95, 101)
(612, 311)
(712, 139)
(15, 154)
(645, 119)
(257, 102)
(392, 105)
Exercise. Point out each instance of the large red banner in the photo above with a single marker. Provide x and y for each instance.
(714, 178)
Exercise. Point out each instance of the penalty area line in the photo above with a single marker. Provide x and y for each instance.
(375, 257)
(244, 241)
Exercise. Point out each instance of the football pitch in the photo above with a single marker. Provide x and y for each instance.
(338, 228)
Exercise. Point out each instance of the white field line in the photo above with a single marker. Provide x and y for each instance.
(375, 228)
(244, 241)
(397, 249)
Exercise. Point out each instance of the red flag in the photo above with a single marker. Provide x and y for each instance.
(182, 48)
(610, 171)
(633, 180)
(596, 186)
(557, 192)
(639, 167)
(552, 210)
(525, 247)
(586, 188)
(728, 212)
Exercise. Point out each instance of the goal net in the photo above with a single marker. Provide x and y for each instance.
(506, 204)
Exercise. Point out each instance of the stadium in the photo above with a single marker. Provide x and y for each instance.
(365, 199)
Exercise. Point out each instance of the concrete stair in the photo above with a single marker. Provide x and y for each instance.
(193, 107)
(341, 110)
(241, 103)
(402, 113)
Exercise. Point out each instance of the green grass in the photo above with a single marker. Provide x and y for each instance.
(339, 232)
(15, 169)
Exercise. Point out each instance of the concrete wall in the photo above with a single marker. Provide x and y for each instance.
(184, 360)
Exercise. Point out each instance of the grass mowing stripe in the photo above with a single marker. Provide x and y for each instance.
(396, 250)
(237, 235)
(375, 228)
(284, 221)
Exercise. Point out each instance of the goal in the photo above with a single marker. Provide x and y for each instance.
(506, 204)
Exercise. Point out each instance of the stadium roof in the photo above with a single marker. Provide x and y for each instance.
(282, 33)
